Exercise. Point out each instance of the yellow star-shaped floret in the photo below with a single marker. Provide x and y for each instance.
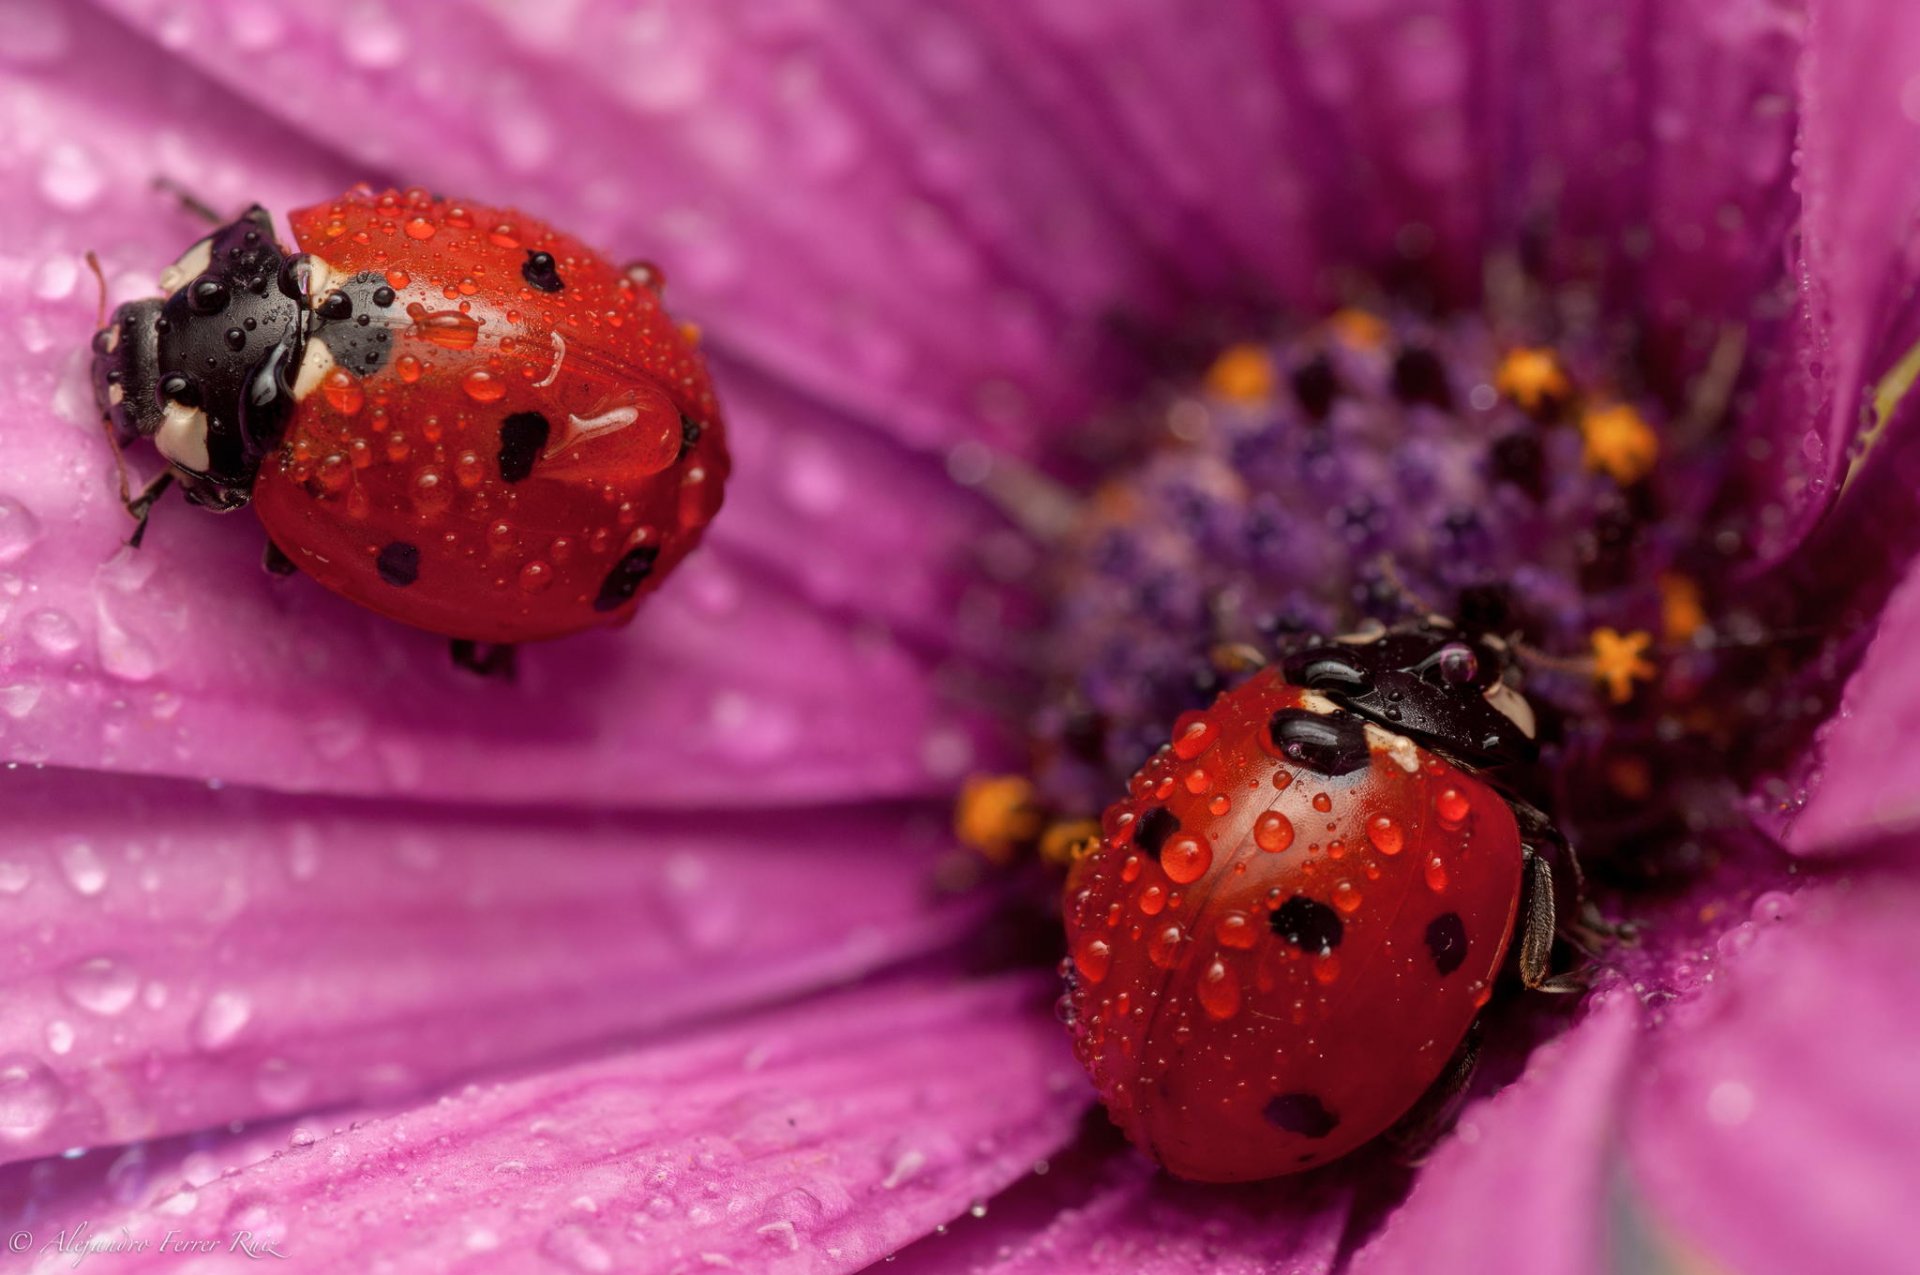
(1065, 842)
(1532, 377)
(1682, 612)
(997, 814)
(1361, 329)
(1242, 374)
(1620, 659)
(1619, 442)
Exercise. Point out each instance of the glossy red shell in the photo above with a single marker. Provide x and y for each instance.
(391, 488)
(1271, 965)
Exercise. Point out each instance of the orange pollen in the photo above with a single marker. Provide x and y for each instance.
(1242, 374)
(1068, 841)
(1620, 443)
(996, 815)
(1682, 613)
(1620, 659)
(1532, 377)
(1361, 329)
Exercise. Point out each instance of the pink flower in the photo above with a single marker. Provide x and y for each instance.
(641, 963)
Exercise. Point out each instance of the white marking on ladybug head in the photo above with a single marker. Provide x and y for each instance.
(192, 263)
(116, 395)
(316, 360)
(1314, 702)
(182, 436)
(1513, 706)
(1370, 630)
(1403, 751)
(320, 283)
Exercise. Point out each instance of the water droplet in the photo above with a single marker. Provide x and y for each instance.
(432, 493)
(1273, 832)
(82, 868)
(19, 530)
(1452, 806)
(70, 177)
(343, 392)
(222, 1019)
(483, 386)
(1193, 734)
(420, 228)
(1092, 957)
(14, 877)
(53, 631)
(282, 1085)
(1385, 834)
(301, 1137)
(1219, 991)
(100, 985)
(1163, 949)
(1153, 900)
(1436, 875)
(1186, 858)
(60, 1036)
(30, 1097)
(1346, 898)
(18, 701)
(1322, 802)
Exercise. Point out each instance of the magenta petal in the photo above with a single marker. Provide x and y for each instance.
(1860, 188)
(179, 957)
(1775, 1123)
(1867, 780)
(1520, 1184)
(854, 206)
(818, 1139)
(1118, 1212)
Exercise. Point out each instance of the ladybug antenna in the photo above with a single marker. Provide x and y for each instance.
(188, 200)
(100, 277)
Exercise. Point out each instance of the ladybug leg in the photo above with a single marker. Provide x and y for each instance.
(140, 507)
(188, 200)
(1414, 1136)
(488, 659)
(275, 561)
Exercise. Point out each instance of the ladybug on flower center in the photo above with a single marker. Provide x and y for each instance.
(1281, 941)
(451, 414)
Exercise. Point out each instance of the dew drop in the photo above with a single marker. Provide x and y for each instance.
(1385, 834)
(1346, 898)
(483, 386)
(1193, 734)
(431, 492)
(282, 1085)
(420, 228)
(53, 631)
(1219, 805)
(1452, 806)
(1237, 930)
(1153, 900)
(221, 1019)
(30, 1097)
(1092, 957)
(1186, 858)
(1273, 832)
(1219, 991)
(60, 1037)
(1322, 802)
(100, 986)
(19, 530)
(1163, 949)
(1436, 875)
(81, 865)
(342, 391)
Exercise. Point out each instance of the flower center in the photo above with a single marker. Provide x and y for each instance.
(1371, 470)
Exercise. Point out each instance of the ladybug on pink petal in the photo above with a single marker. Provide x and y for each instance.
(452, 414)
(1280, 944)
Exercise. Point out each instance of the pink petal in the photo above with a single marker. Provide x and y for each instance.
(818, 1139)
(1860, 189)
(181, 957)
(1112, 1210)
(1774, 1123)
(851, 205)
(1520, 1186)
(185, 659)
(1867, 781)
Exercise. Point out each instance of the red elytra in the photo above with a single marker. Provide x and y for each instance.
(1260, 991)
(591, 382)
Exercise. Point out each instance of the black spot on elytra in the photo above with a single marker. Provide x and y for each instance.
(1447, 940)
(1315, 385)
(523, 436)
(1328, 743)
(625, 579)
(1420, 377)
(689, 435)
(540, 271)
(399, 564)
(1301, 1113)
(1155, 827)
(1308, 924)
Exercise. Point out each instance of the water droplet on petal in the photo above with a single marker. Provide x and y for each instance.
(100, 986)
(19, 530)
(30, 1097)
(82, 868)
(221, 1019)
(1273, 832)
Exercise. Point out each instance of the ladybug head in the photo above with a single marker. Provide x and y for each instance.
(207, 371)
(1429, 681)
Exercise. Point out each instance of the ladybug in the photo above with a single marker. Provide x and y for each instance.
(1279, 945)
(452, 414)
